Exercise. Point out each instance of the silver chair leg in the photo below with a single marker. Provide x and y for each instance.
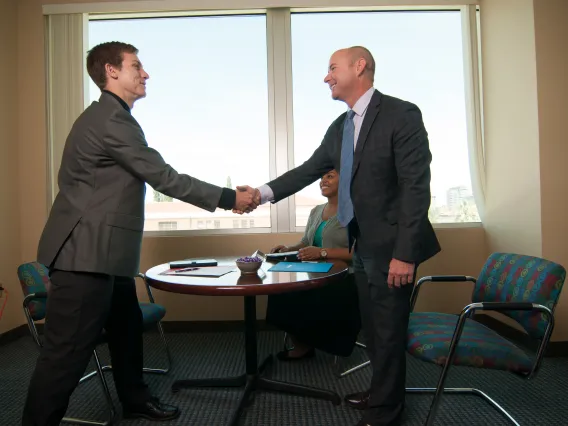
(110, 405)
(168, 355)
(336, 358)
(353, 369)
(145, 369)
(470, 391)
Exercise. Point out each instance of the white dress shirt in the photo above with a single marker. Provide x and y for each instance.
(360, 109)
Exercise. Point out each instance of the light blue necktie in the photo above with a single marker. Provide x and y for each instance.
(345, 208)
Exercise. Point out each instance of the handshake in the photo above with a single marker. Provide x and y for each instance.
(247, 199)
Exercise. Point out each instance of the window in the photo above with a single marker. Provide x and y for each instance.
(398, 41)
(167, 226)
(206, 109)
(247, 101)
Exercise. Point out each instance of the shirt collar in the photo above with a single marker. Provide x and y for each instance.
(119, 99)
(361, 105)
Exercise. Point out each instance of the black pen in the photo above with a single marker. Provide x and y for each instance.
(186, 270)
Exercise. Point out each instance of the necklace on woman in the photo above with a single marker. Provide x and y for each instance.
(327, 213)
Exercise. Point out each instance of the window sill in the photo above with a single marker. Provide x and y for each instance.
(267, 231)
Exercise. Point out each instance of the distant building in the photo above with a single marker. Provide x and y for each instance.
(456, 195)
(177, 215)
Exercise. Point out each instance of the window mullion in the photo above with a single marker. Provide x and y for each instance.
(280, 109)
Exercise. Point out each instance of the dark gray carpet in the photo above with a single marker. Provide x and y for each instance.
(541, 401)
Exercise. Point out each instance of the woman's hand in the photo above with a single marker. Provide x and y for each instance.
(279, 249)
(309, 253)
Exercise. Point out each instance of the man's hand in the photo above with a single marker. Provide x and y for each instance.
(400, 273)
(247, 193)
(309, 253)
(279, 249)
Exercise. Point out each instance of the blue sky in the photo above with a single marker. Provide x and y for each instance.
(207, 104)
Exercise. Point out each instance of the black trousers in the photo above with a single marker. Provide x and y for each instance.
(326, 318)
(79, 306)
(384, 318)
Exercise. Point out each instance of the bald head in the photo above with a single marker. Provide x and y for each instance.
(360, 53)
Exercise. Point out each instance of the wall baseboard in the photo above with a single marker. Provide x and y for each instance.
(555, 349)
(14, 334)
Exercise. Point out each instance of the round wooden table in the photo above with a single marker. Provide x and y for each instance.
(248, 286)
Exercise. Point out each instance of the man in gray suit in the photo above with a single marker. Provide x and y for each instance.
(92, 242)
(381, 148)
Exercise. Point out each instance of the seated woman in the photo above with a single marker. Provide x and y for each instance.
(325, 318)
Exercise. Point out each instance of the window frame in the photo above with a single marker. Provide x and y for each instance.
(280, 90)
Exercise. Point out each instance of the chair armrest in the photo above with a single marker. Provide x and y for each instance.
(437, 278)
(511, 306)
(447, 278)
(470, 309)
(30, 297)
(508, 306)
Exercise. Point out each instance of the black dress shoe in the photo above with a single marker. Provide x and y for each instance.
(151, 410)
(285, 355)
(358, 400)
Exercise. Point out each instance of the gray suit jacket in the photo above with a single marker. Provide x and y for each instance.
(390, 185)
(97, 220)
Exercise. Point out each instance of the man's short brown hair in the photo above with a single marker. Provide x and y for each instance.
(111, 53)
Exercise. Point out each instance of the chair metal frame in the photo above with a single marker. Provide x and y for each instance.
(99, 368)
(162, 336)
(335, 359)
(352, 369)
(467, 312)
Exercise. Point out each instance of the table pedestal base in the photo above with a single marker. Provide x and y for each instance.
(252, 380)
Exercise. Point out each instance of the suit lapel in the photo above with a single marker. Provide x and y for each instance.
(370, 116)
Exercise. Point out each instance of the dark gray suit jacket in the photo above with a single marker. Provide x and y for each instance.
(390, 186)
(97, 220)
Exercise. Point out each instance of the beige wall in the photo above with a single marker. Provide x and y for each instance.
(525, 88)
(9, 194)
(511, 127)
(513, 209)
(551, 31)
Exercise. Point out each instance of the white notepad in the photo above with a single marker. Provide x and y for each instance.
(206, 271)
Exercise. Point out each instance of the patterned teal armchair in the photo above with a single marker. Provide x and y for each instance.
(34, 279)
(524, 288)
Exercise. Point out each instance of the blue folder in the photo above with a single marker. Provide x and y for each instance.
(301, 267)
